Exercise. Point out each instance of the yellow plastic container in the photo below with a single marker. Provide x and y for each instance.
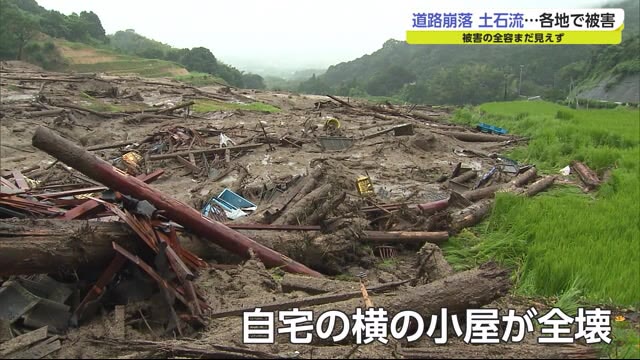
(364, 185)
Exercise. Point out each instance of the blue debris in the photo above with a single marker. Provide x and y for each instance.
(486, 128)
(234, 205)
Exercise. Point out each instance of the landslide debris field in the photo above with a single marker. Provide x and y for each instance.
(115, 268)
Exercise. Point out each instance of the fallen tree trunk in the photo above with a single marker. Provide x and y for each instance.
(588, 176)
(540, 185)
(433, 207)
(321, 212)
(312, 285)
(469, 289)
(502, 351)
(42, 113)
(204, 151)
(300, 190)
(406, 236)
(190, 218)
(464, 177)
(303, 208)
(489, 191)
(304, 302)
(49, 246)
(476, 137)
(470, 215)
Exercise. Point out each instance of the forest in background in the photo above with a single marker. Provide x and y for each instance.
(452, 74)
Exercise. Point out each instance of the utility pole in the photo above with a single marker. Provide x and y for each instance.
(520, 82)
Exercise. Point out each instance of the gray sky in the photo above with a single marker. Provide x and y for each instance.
(278, 33)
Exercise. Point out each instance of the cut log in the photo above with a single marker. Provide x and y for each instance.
(502, 351)
(43, 113)
(588, 176)
(183, 214)
(470, 215)
(305, 302)
(305, 207)
(523, 178)
(115, 145)
(49, 246)
(204, 151)
(476, 137)
(540, 185)
(340, 101)
(464, 177)
(489, 191)
(322, 211)
(433, 207)
(405, 236)
(477, 194)
(469, 289)
(293, 195)
(312, 285)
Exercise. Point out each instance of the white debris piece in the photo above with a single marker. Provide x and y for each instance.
(225, 140)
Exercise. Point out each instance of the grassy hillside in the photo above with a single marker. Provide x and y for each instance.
(84, 58)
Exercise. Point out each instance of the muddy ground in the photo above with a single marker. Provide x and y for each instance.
(403, 169)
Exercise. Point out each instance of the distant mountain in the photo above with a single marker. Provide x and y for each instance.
(455, 74)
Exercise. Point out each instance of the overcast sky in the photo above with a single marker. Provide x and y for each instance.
(283, 33)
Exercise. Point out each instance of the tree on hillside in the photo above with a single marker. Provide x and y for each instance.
(93, 25)
(200, 59)
(54, 24)
(253, 81)
(389, 81)
(17, 28)
(314, 86)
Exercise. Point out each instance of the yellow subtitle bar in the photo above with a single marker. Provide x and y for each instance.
(422, 37)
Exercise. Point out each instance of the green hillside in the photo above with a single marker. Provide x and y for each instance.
(78, 42)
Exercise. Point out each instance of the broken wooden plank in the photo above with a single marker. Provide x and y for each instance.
(119, 322)
(114, 145)
(305, 302)
(476, 137)
(98, 288)
(42, 113)
(504, 351)
(8, 184)
(405, 236)
(340, 101)
(313, 286)
(189, 165)
(204, 151)
(91, 205)
(23, 341)
(40, 350)
(152, 273)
